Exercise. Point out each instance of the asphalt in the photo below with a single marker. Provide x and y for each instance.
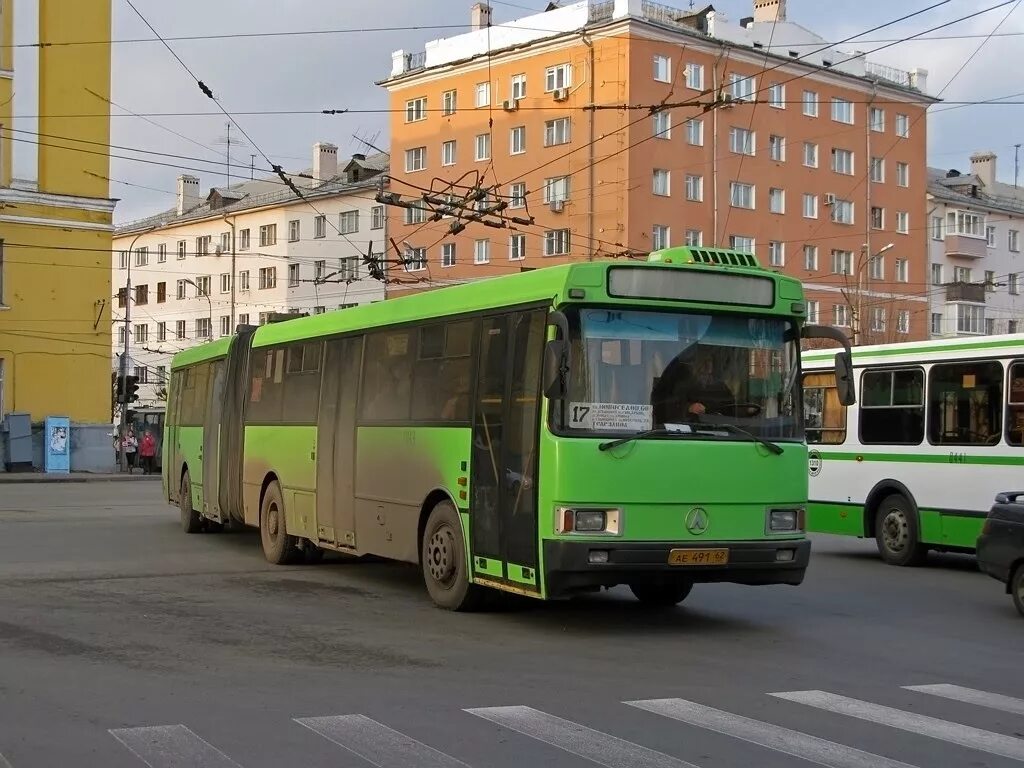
(125, 642)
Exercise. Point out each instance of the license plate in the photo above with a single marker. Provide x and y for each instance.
(698, 557)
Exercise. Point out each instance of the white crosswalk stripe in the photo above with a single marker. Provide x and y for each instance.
(596, 746)
(775, 737)
(943, 730)
(972, 696)
(171, 746)
(377, 743)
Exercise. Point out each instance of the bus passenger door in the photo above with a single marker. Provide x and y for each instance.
(335, 468)
(171, 466)
(211, 442)
(503, 510)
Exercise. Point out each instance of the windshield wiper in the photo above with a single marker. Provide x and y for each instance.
(773, 447)
(681, 429)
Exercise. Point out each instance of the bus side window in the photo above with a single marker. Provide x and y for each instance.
(965, 403)
(824, 416)
(892, 407)
(301, 399)
(1015, 406)
(387, 375)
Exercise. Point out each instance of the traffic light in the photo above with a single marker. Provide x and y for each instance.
(131, 389)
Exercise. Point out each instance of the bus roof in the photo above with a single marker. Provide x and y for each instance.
(969, 346)
(200, 353)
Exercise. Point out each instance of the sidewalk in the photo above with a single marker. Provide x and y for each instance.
(74, 477)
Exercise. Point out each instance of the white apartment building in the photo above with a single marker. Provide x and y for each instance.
(280, 254)
(976, 229)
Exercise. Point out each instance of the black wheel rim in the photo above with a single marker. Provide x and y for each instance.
(441, 556)
(273, 523)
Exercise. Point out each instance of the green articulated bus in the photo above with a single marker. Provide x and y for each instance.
(544, 433)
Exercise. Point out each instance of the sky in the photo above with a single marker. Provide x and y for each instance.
(338, 71)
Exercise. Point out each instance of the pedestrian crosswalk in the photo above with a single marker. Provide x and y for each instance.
(370, 742)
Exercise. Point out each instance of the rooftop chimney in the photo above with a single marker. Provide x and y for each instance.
(480, 16)
(325, 163)
(983, 165)
(769, 10)
(188, 193)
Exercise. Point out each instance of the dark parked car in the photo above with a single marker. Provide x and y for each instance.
(1001, 545)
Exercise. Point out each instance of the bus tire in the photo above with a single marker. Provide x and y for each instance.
(661, 595)
(443, 559)
(191, 522)
(278, 546)
(897, 532)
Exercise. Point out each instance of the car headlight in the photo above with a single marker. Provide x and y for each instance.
(787, 520)
(588, 521)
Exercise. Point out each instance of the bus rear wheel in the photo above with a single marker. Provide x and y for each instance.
(661, 595)
(278, 547)
(897, 532)
(443, 558)
(191, 522)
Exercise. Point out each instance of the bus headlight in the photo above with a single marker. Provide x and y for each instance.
(785, 520)
(588, 521)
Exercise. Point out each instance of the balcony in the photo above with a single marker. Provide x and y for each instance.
(966, 246)
(969, 292)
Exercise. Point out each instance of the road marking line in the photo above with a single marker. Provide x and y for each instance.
(954, 733)
(171, 746)
(776, 737)
(4, 763)
(972, 696)
(377, 744)
(596, 746)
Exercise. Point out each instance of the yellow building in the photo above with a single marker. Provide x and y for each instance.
(55, 213)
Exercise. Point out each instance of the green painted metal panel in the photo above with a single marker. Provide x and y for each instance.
(489, 567)
(522, 574)
(289, 451)
(931, 526)
(929, 458)
(201, 353)
(961, 531)
(190, 448)
(841, 519)
(938, 528)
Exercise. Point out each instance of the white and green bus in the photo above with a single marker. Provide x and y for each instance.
(937, 431)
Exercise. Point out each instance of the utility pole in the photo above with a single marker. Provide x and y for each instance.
(1016, 164)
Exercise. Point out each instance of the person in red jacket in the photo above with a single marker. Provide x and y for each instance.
(147, 452)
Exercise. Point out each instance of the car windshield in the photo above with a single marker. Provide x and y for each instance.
(634, 371)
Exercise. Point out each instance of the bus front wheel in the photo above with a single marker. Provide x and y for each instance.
(443, 557)
(191, 522)
(661, 595)
(278, 547)
(897, 532)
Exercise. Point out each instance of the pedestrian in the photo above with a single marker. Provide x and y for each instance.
(147, 452)
(131, 446)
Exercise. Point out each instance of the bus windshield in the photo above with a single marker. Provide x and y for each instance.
(637, 370)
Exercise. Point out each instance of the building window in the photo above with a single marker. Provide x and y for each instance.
(841, 315)
(877, 267)
(319, 269)
(902, 271)
(741, 141)
(990, 235)
(448, 152)
(556, 190)
(811, 258)
(483, 94)
(122, 261)
(877, 119)
(268, 278)
(556, 242)
(268, 235)
(161, 253)
(1013, 240)
(517, 195)
(842, 161)
(695, 76)
(293, 231)
(481, 251)
(243, 280)
(903, 321)
(662, 182)
(448, 255)
(293, 275)
(140, 333)
(961, 274)
(517, 140)
(557, 77)
(877, 319)
(181, 290)
(348, 222)
(742, 87)
(377, 217)
(319, 310)
(810, 205)
(694, 187)
(903, 174)
(777, 95)
(903, 222)
(663, 69)
(415, 259)
(415, 214)
(161, 293)
(878, 170)
(203, 287)
(970, 318)
(320, 227)
(416, 110)
(225, 325)
(243, 240)
(179, 329)
(842, 262)
(142, 294)
(695, 133)
(660, 236)
(415, 159)
(936, 274)
(449, 103)
(694, 237)
(142, 256)
(777, 148)
(662, 125)
(483, 147)
(204, 328)
(741, 243)
(517, 247)
(810, 103)
(842, 212)
(810, 154)
(120, 336)
(902, 126)
(936, 227)
(842, 111)
(1013, 283)
(741, 195)
(225, 242)
(161, 374)
(777, 200)
(936, 326)
(556, 132)
(225, 282)
(990, 281)
(203, 245)
(182, 249)
(142, 374)
(776, 254)
(1011, 327)
(877, 217)
(813, 311)
(518, 87)
(348, 269)
(990, 326)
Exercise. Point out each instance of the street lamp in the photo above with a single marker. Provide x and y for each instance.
(199, 292)
(858, 316)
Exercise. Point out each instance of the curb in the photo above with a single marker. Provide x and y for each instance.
(29, 479)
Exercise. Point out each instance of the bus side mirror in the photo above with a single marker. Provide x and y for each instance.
(556, 369)
(844, 378)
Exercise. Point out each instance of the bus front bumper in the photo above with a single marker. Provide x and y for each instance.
(571, 568)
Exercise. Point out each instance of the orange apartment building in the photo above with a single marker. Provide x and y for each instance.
(770, 140)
